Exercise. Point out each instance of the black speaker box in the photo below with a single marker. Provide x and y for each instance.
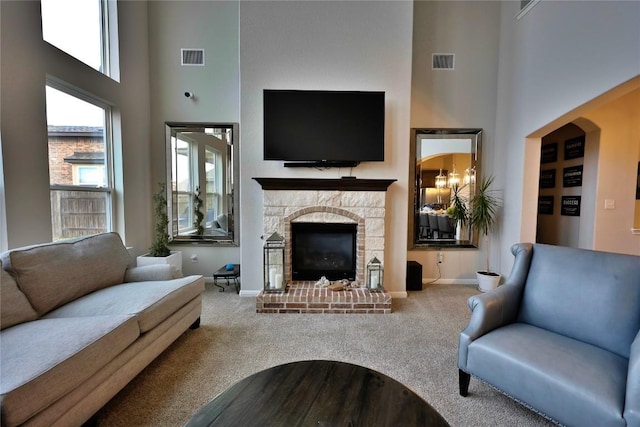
(414, 276)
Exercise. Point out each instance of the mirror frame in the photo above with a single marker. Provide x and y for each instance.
(475, 135)
(232, 238)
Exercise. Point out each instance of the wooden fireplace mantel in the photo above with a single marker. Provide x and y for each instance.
(339, 184)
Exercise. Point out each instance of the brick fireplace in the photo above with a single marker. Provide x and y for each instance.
(343, 201)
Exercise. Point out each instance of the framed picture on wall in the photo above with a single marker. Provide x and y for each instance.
(574, 148)
(545, 205)
(570, 206)
(572, 176)
(638, 184)
(549, 153)
(548, 178)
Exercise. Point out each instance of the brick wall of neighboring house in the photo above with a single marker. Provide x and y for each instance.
(64, 141)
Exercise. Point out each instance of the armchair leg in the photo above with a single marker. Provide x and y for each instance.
(464, 380)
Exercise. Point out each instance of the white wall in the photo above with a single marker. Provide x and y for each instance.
(464, 97)
(209, 25)
(26, 61)
(568, 52)
(364, 45)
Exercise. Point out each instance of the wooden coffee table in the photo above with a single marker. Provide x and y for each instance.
(317, 393)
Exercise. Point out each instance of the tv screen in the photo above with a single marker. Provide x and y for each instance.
(323, 126)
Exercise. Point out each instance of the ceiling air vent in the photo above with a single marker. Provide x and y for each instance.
(442, 61)
(192, 56)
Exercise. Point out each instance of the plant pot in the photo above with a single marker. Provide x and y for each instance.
(487, 281)
(175, 260)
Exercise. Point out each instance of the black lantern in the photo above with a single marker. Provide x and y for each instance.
(375, 275)
(274, 264)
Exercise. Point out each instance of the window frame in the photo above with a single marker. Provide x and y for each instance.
(192, 162)
(109, 188)
(216, 194)
(109, 55)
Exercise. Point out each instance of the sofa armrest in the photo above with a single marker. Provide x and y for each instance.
(498, 307)
(488, 312)
(149, 272)
(632, 405)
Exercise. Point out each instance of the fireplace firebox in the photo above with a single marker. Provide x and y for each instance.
(323, 249)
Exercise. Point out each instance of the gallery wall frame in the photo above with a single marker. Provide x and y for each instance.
(545, 205)
(570, 205)
(549, 153)
(548, 178)
(638, 184)
(574, 148)
(572, 176)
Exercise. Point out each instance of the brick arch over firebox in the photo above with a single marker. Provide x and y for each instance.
(324, 214)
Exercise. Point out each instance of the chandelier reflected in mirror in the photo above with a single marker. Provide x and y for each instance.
(470, 176)
(454, 178)
(441, 180)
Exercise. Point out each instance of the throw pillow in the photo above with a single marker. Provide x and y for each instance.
(14, 305)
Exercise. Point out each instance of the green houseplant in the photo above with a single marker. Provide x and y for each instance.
(159, 252)
(458, 210)
(197, 212)
(483, 217)
(160, 245)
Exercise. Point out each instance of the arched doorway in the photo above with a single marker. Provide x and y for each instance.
(589, 199)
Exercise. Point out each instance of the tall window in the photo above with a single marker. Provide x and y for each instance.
(80, 173)
(212, 172)
(182, 190)
(80, 28)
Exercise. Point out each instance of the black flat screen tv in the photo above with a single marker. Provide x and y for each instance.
(323, 127)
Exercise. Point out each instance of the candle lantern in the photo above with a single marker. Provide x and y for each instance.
(274, 265)
(375, 275)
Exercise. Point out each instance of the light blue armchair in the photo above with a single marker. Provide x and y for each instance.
(561, 336)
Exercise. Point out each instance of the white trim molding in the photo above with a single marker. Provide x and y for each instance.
(526, 9)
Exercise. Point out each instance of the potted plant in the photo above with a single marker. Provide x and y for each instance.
(159, 252)
(197, 213)
(484, 210)
(458, 210)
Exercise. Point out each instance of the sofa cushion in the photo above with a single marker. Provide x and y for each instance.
(587, 295)
(151, 301)
(45, 359)
(573, 382)
(223, 222)
(14, 305)
(55, 273)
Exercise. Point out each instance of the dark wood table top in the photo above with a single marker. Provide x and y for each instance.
(317, 393)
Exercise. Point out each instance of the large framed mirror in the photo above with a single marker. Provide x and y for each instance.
(202, 183)
(443, 161)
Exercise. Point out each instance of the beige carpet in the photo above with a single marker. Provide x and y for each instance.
(416, 345)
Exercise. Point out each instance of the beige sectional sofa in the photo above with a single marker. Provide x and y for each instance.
(79, 322)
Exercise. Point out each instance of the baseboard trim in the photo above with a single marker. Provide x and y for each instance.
(249, 293)
(401, 294)
(450, 281)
